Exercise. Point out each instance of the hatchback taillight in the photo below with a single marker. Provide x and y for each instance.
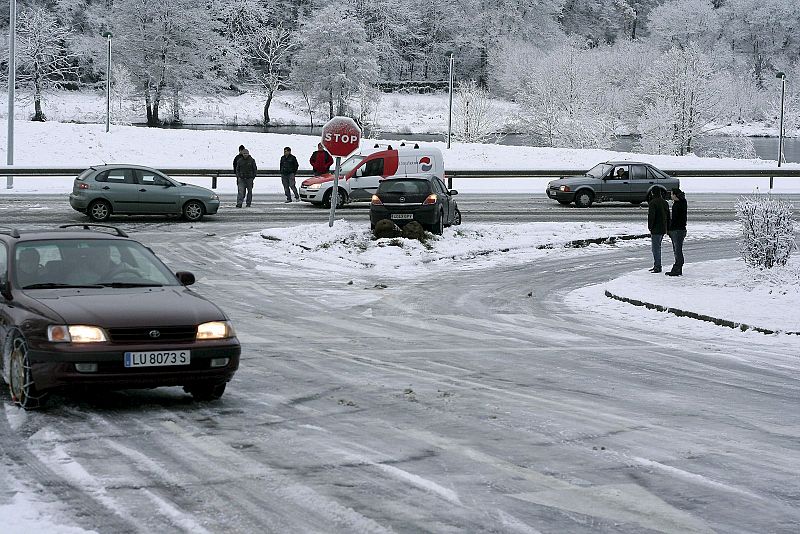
(83, 186)
(430, 200)
(376, 201)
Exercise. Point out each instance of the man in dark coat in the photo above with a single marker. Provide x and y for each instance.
(238, 157)
(246, 170)
(321, 161)
(289, 167)
(677, 230)
(658, 224)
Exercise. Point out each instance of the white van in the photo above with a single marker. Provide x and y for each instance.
(361, 173)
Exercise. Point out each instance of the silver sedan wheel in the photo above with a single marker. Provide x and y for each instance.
(193, 211)
(99, 211)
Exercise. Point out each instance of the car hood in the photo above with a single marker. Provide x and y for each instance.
(195, 190)
(129, 307)
(574, 180)
(321, 179)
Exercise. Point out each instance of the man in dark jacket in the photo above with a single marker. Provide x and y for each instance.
(677, 230)
(246, 170)
(321, 161)
(657, 223)
(289, 167)
(238, 157)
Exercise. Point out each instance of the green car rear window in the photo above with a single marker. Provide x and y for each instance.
(82, 176)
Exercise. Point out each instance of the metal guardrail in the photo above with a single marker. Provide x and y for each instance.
(215, 174)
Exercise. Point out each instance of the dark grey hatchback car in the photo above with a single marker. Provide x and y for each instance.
(104, 190)
(91, 309)
(415, 197)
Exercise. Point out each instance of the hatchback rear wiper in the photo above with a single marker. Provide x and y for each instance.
(52, 285)
(131, 284)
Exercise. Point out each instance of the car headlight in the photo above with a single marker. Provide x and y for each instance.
(215, 197)
(564, 188)
(215, 330)
(75, 334)
(314, 186)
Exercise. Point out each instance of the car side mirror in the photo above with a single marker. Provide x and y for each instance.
(185, 278)
(5, 289)
(453, 192)
(360, 171)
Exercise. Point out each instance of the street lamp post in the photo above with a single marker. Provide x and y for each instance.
(782, 77)
(108, 36)
(450, 109)
(12, 71)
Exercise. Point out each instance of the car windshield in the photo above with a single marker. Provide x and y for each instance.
(405, 187)
(351, 163)
(60, 263)
(599, 170)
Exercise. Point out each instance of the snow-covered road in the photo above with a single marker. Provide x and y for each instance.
(470, 401)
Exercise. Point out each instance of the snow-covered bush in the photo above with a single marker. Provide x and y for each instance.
(731, 147)
(767, 237)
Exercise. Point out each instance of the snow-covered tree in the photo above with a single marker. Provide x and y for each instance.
(267, 50)
(44, 59)
(680, 22)
(559, 98)
(678, 86)
(335, 58)
(767, 237)
(169, 45)
(475, 117)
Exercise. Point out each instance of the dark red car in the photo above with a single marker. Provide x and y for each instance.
(95, 309)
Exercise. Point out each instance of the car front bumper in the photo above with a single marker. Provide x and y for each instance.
(310, 195)
(559, 195)
(212, 206)
(53, 365)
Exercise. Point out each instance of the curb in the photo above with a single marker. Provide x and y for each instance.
(700, 317)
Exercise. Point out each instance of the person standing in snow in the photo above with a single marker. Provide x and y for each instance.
(246, 170)
(658, 224)
(238, 157)
(321, 161)
(677, 230)
(289, 167)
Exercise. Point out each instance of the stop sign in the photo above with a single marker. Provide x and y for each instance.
(341, 136)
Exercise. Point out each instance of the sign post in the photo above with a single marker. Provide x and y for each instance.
(341, 136)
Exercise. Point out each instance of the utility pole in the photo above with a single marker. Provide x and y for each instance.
(108, 35)
(12, 82)
(450, 109)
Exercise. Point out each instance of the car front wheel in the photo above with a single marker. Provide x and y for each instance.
(457, 217)
(341, 198)
(20, 380)
(584, 198)
(193, 210)
(99, 210)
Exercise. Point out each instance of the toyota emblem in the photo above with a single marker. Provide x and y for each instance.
(155, 334)
(402, 199)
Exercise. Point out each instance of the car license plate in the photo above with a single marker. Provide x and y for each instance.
(157, 358)
(402, 215)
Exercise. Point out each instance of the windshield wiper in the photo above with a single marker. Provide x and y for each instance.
(52, 285)
(131, 284)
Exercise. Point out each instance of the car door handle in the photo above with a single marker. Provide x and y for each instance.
(106, 187)
(651, 182)
(142, 190)
(624, 182)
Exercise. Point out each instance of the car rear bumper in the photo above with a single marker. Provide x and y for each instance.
(78, 203)
(425, 215)
(55, 369)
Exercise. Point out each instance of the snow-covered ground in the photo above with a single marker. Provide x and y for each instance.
(724, 289)
(81, 145)
(349, 250)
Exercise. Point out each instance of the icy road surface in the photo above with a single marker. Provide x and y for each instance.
(458, 404)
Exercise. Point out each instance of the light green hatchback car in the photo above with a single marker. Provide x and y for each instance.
(104, 190)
